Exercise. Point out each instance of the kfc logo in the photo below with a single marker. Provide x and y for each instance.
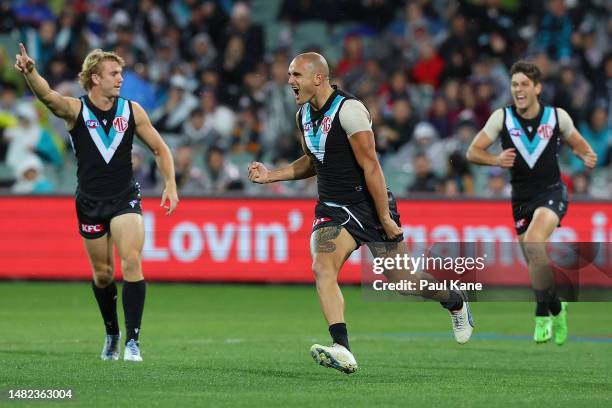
(321, 220)
(545, 131)
(120, 124)
(92, 124)
(326, 125)
(92, 228)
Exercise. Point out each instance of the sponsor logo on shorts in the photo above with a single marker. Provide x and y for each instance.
(92, 123)
(515, 132)
(92, 228)
(545, 131)
(120, 124)
(320, 220)
(521, 223)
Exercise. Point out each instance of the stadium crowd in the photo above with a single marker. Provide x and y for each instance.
(212, 75)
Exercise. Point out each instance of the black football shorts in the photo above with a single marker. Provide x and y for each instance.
(94, 214)
(360, 220)
(553, 197)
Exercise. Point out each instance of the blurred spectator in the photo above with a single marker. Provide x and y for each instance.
(449, 187)
(221, 175)
(137, 88)
(233, 63)
(30, 178)
(8, 117)
(581, 184)
(572, 92)
(555, 31)
(429, 66)
(144, 173)
(366, 79)
(240, 26)
(23, 138)
(189, 178)
(399, 128)
(439, 116)
(247, 132)
(33, 12)
(279, 109)
(196, 131)
(459, 172)
(203, 51)
(425, 181)
(426, 142)
(8, 19)
(397, 88)
(458, 38)
(170, 117)
(497, 184)
(597, 133)
(465, 131)
(352, 57)
(219, 118)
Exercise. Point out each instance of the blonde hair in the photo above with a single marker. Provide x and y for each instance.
(91, 66)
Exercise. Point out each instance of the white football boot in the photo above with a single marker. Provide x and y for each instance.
(110, 351)
(462, 321)
(336, 356)
(132, 351)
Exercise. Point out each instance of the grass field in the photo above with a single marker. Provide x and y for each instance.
(232, 345)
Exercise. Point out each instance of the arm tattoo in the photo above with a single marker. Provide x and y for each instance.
(323, 239)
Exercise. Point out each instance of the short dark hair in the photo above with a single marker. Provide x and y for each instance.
(530, 70)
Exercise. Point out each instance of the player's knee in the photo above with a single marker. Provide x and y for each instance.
(322, 271)
(103, 275)
(131, 262)
(532, 237)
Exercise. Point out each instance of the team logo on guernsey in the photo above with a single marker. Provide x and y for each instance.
(315, 141)
(92, 124)
(107, 143)
(120, 124)
(515, 132)
(531, 150)
(545, 131)
(326, 125)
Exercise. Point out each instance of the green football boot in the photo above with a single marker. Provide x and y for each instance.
(543, 329)
(559, 325)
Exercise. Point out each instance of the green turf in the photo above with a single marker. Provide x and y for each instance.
(222, 345)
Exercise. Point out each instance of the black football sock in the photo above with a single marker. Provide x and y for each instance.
(554, 305)
(339, 334)
(107, 302)
(542, 299)
(454, 302)
(133, 296)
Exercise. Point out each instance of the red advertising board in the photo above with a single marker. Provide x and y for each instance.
(255, 240)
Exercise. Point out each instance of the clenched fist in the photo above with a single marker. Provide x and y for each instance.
(258, 173)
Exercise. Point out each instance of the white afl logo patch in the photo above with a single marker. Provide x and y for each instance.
(92, 124)
(326, 125)
(120, 124)
(545, 131)
(515, 132)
